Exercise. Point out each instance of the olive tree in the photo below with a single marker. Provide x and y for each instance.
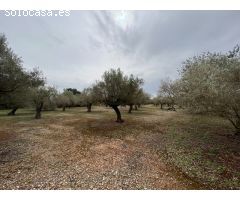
(141, 98)
(210, 83)
(41, 95)
(62, 101)
(112, 90)
(133, 91)
(87, 98)
(166, 93)
(155, 101)
(159, 100)
(15, 100)
(21, 97)
(73, 99)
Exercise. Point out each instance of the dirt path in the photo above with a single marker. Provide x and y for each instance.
(83, 154)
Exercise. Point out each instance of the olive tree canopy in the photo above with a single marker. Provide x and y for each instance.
(167, 93)
(133, 91)
(113, 90)
(12, 75)
(88, 98)
(41, 95)
(210, 83)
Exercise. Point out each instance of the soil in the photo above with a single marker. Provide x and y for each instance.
(83, 153)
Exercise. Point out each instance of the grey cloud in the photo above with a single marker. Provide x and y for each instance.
(74, 51)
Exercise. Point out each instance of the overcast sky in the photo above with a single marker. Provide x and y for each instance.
(74, 51)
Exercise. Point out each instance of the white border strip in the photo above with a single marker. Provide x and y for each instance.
(120, 5)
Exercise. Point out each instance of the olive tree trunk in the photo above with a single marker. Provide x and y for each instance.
(161, 106)
(63, 108)
(39, 110)
(135, 107)
(13, 111)
(89, 107)
(130, 108)
(119, 118)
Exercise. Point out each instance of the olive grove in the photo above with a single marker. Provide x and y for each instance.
(208, 84)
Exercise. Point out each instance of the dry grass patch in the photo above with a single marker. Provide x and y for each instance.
(152, 149)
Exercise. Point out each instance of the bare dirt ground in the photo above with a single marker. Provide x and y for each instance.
(79, 150)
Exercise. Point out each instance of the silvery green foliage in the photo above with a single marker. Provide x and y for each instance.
(211, 83)
(43, 94)
(111, 90)
(142, 97)
(167, 93)
(15, 81)
(67, 99)
(116, 89)
(134, 90)
(62, 100)
(12, 75)
(87, 97)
